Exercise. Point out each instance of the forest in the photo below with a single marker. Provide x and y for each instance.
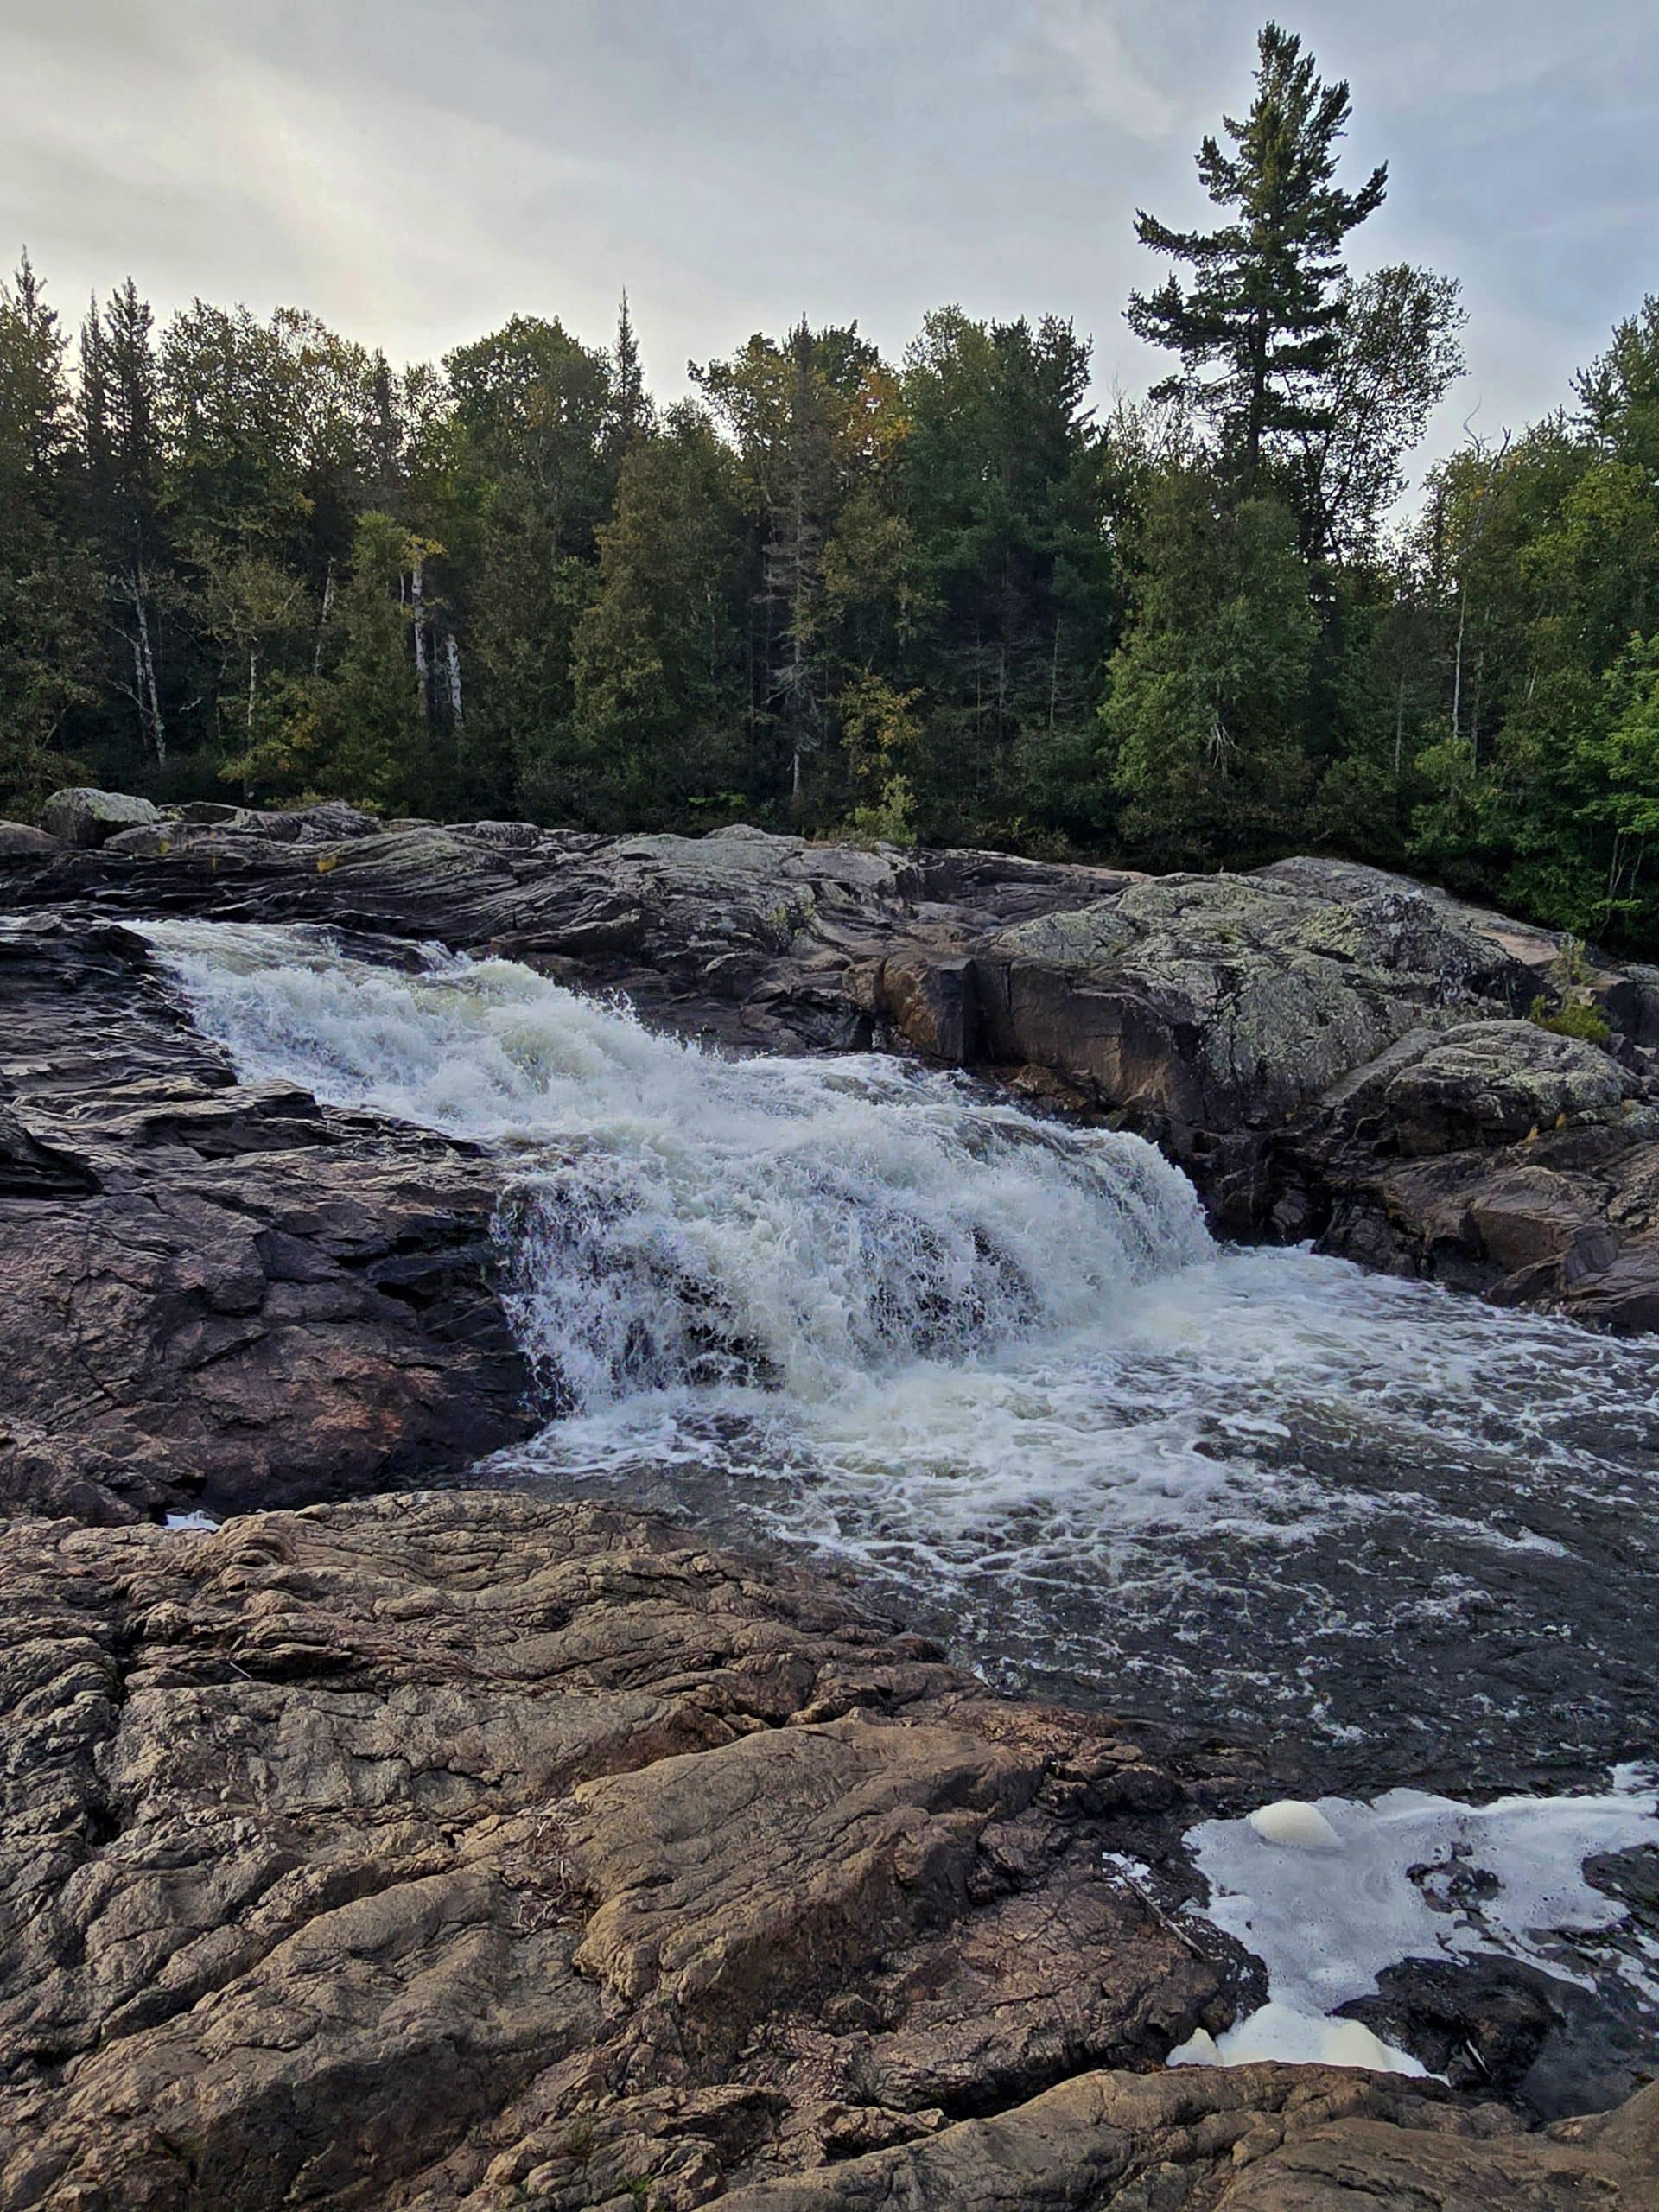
(950, 597)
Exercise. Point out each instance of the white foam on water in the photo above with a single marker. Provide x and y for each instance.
(1295, 1826)
(1293, 2038)
(1410, 1875)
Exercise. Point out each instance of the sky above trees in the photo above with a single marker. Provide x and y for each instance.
(418, 171)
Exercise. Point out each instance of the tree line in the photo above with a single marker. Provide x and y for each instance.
(941, 597)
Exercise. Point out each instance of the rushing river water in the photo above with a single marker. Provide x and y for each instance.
(998, 1368)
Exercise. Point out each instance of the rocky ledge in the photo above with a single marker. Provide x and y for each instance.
(219, 1293)
(1332, 1052)
(473, 1855)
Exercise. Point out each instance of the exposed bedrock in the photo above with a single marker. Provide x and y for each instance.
(219, 1293)
(466, 1854)
(1332, 1052)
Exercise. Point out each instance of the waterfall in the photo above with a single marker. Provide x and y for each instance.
(996, 1365)
(673, 1217)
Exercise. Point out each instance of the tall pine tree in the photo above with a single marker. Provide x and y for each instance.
(1259, 327)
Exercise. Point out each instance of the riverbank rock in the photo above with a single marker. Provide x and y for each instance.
(18, 842)
(84, 817)
(469, 1854)
(216, 1291)
(1484, 1084)
(1217, 1004)
(1566, 1218)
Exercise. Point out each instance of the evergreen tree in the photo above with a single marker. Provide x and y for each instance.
(630, 413)
(810, 418)
(527, 483)
(998, 477)
(122, 438)
(1259, 328)
(1206, 698)
(661, 683)
(46, 587)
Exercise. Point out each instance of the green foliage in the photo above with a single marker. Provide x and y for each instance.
(1577, 1018)
(660, 683)
(48, 588)
(931, 599)
(354, 730)
(889, 820)
(1203, 701)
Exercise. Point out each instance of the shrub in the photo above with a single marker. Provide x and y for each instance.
(1576, 1017)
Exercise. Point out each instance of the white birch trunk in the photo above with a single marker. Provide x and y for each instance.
(422, 657)
(322, 619)
(452, 676)
(150, 700)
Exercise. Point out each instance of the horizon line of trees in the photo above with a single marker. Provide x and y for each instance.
(936, 598)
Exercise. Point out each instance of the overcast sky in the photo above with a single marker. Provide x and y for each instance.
(416, 170)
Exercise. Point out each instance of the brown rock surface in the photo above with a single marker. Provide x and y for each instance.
(470, 1852)
(1565, 1218)
(213, 1291)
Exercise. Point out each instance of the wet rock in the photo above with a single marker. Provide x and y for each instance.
(1497, 2028)
(84, 817)
(1628, 999)
(470, 1852)
(1568, 1219)
(933, 1003)
(1259, 2139)
(218, 1292)
(513, 1818)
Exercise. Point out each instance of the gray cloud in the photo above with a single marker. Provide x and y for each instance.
(416, 171)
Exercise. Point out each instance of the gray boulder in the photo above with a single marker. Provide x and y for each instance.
(1221, 1002)
(519, 836)
(1483, 1082)
(81, 815)
(18, 842)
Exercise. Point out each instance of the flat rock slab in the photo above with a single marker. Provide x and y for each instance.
(471, 1853)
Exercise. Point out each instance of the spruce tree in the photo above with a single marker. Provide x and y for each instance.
(660, 670)
(1258, 327)
(630, 413)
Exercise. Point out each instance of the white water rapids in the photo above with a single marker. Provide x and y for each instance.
(998, 1362)
(998, 1368)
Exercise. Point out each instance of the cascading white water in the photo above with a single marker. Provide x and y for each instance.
(677, 1218)
(999, 1366)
